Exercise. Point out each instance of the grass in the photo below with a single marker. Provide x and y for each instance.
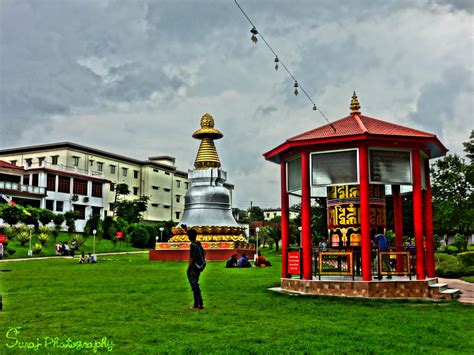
(143, 307)
(468, 279)
(102, 246)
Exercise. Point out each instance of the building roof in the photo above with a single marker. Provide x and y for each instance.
(4, 164)
(62, 145)
(358, 127)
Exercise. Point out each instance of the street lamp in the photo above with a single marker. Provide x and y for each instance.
(256, 249)
(161, 234)
(299, 228)
(30, 252)
(94, 232)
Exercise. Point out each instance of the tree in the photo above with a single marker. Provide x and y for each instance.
(11, 215)
(45, 216)
(31, 217)
(469, 147)
(453, 201)
(120, 190)
(256, 214)
(131, 211)
(318, 220)
(71, 217)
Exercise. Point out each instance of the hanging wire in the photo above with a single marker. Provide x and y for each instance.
(278, 60)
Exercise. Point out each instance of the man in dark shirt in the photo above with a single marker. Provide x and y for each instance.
(195, 268)
(232, 261)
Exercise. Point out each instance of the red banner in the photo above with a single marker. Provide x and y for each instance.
(294, 262)
(3, 238)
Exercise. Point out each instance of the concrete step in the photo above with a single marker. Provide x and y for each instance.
(439, 285)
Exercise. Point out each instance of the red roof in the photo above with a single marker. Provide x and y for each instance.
(357, 127)
(359, 124)
(4, 164)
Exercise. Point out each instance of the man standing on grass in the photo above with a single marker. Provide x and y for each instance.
(197, 263)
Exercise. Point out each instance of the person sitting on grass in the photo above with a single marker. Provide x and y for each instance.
(91, 259)
(232, 261)
(244, 261)
(261, 261)
(82, 260)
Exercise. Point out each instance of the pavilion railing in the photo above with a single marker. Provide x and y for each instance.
(397, 263)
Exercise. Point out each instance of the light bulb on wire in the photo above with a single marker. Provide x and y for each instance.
(276, 63)
(254, 33)
(314, 107)
(296, 88)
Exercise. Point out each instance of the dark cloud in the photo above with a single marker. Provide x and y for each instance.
(460, 5)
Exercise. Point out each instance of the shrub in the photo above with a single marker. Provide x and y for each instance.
(45, 216)
(43, 238)
(23, 237)
(79, 239)
(138, 235)
(45, 230)
(11, 232)
(467, 258)
(58, 220)
(460, 242)
(449, 266)
(37, 248)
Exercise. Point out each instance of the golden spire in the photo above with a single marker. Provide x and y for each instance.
(207, 157)
(355, 107)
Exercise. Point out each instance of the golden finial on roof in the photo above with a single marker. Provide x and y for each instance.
(355, 106)
(207, 157)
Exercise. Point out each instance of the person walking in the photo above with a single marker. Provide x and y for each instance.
(197, 263)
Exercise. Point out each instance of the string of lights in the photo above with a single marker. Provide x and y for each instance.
(297, 85)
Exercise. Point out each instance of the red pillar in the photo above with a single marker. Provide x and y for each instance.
(428, 214)
(398, 223)
(365, 212)
(418, 215)
(306, 217)
(285, 222)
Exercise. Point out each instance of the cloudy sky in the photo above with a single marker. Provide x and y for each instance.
(134, 77)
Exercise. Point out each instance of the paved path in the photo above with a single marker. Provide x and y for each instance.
(76, 256)
(467, 289)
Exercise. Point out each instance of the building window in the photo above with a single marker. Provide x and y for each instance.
(186, 185)
(135, 174)
(156, 170)
(167, 190)
(177, 214)
(64, 184)
(154, 205)
(59, 206)
(91, 163)
(35, 180)
(100, 166)
(112, 169)
(96, 189)
(178, 198)
(54, 159)
(13, 162)
(28, 162)
(155, 187)
(51, 182)
(26, 179)
(178, 183)
(111, 206)
(135, 191)
(50, 205)
(112, 186)
(81, 210)
(167, 206)
(124, 171)
(41, 160)
(75, 161)
(80, 187)
(167, 173)
(96, 211)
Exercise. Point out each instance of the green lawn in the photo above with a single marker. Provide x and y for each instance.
(143, 307)
(102, 246)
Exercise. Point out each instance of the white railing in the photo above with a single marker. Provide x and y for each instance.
(61, 167)
(14, 186)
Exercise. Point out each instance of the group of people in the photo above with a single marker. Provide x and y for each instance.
(63, 249)
(243, 261)
(89, 259)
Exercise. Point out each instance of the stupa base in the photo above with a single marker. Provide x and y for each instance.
(214, 251)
